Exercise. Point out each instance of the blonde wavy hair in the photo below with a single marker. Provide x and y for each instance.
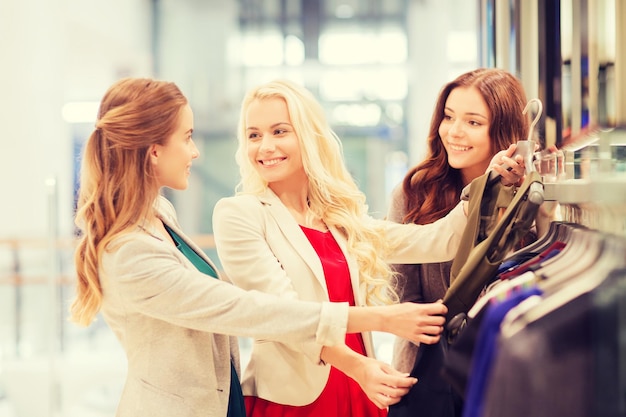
(117, 183)
(333, 195)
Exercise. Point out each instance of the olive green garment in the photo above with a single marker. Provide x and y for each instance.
(489, 236)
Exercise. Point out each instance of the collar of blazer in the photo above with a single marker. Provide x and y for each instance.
(165, 211)
(296, 237)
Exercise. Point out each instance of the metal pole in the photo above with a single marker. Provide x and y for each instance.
(53, 277)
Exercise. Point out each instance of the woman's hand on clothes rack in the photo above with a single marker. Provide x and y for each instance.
(511, 168)
(418, 322)
(382, 384)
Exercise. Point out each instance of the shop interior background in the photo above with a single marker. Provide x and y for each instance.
(375, 65)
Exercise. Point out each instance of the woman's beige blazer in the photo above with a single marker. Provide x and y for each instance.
(173, 322)
(261, 247)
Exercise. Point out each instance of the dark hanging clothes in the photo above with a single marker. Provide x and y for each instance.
(488, 237)
(432, 395)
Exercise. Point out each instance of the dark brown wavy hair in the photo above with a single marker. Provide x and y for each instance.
(432, 188)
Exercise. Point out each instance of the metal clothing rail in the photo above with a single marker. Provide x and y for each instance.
(598, 200)
(607, 190)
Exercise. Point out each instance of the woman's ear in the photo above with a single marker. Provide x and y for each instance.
(154, 153)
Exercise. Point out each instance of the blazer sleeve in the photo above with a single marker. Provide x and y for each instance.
(239, 228)
(148, 276)
(407, 290)
(428, 243)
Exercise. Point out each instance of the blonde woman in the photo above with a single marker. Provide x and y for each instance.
(299, 229)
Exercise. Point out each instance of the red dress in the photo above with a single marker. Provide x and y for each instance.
(342, 396)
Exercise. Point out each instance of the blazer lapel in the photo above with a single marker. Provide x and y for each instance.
(166, 218)
(293, 234)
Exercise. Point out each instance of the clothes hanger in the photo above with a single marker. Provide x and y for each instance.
(582, 252)
(610, 250)
(558, 231)
(527, 150)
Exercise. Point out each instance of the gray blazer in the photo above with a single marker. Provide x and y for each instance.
(417, 283)
(262, 247)
(173, 322)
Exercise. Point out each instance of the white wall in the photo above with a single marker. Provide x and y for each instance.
(54, 51)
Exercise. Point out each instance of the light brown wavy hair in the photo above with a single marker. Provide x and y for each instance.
(334, 196)
(432, 188)
(117, 184)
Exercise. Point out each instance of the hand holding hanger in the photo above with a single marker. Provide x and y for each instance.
(508, 165)
(524, 149)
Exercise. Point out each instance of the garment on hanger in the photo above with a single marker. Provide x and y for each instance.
(532, 263)
(486, 349)
(566, 361)
(524, 393)
(497, 235)
(558, 352)
(558, 231)
(457, 365)
(470, 274)
(432, 395)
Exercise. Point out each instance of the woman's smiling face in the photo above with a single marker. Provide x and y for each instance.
(273, 145)
(464, 132)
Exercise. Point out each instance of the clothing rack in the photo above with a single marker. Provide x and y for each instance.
(544, 340)
(591, 190)
(545, 337)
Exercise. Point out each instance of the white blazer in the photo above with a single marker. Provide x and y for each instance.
(261, 247)
(173, 323)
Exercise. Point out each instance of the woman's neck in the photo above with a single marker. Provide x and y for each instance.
(298, 205)
(294, 197)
